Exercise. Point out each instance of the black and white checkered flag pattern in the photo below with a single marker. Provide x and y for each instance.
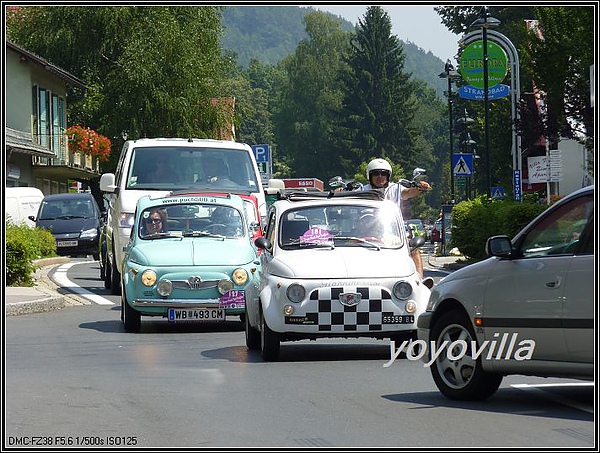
(332, 316)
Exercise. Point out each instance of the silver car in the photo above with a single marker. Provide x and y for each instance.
(528, 309)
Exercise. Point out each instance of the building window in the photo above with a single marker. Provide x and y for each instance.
(49, 120)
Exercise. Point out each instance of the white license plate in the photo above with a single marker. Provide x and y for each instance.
(196, 314)
(66, 243)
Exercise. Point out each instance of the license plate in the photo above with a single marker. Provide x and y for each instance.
(196, 314)
(398, 319)
(66, 243)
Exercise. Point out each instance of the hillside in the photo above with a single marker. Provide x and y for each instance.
(270, 33)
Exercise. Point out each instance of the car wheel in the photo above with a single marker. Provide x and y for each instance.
(96, 256)
(461, 378)
(253, 340)
(102, 261)
(269, 341)
(107, 273)
(132, 320)
(115, 278)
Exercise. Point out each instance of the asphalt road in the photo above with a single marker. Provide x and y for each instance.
(74, 375)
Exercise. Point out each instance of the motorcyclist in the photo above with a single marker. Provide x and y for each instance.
(379, 173)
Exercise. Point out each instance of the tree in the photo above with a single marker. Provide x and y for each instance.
(378, 107)
(559, 64)
(308, 98)
(150, 71)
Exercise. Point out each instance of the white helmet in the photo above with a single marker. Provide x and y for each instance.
(378, 164)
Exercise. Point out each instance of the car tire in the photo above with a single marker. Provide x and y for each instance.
(269, 342)
(464, 378)
(253, 340)
(107, 273)
(115, 278)
(132, 320)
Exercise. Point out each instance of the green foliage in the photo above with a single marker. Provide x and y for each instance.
(23, 245)
(309, 99)
(151, 71)
(474, 221)
(378, 104)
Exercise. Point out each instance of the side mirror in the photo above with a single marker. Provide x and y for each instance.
(262, 243)
(499, 246)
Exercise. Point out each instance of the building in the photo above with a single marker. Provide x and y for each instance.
(37, 153)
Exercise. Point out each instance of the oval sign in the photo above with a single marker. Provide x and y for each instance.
(471, 64)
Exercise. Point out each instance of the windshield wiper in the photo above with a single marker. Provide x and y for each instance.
(161, 236)
(197, 234)
(306, 244)
(355, 238)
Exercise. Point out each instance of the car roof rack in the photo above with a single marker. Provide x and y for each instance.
(295, 195)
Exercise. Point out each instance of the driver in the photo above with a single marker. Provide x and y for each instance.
(214, 169)
(379, 173)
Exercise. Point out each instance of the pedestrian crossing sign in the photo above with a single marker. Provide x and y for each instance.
(462, 164)
(498, 193)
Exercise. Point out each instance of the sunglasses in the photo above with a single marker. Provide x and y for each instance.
(380, 173)
(153, 221)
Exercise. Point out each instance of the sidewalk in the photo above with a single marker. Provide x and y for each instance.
(448, 262)
(44, 296)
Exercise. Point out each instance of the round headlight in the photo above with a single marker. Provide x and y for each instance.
(164, 287)
(149, 277)
(295, 292)
(402, 290)
(240, 276)
(224, 286)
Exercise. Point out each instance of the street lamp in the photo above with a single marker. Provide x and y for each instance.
(485, 21)
(450, 74)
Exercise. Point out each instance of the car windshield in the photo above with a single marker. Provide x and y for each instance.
(177, 168)
(66, 209)
(195, 219)
(342, 225)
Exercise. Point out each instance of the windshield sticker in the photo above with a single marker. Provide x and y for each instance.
(316, 235)
(189, 200)
(233, 299)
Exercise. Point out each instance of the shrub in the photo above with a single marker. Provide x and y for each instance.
(23, 246)
(474, 221)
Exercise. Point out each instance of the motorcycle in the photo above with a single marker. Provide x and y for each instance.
(337, 184)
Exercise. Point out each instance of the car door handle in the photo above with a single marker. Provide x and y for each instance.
(554, 284)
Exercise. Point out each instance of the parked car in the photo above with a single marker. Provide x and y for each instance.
(528, 309)
(333, 266)
(74, 219)
(190, 258)
(20, 203)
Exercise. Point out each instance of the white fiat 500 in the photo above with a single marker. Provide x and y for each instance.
(335, 266)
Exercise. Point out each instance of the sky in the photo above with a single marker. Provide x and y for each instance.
(418, 24)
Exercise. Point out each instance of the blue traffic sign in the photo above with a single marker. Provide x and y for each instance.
(462, 164)
(261, 153)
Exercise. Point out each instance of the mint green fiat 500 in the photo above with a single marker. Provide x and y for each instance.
(190, 257)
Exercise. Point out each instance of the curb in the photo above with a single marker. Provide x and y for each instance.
(50, 298)
(36, 306)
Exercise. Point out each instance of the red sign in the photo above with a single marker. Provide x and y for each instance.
(303, 183)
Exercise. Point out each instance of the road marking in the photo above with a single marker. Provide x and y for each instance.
(558, 398)
(60, 278)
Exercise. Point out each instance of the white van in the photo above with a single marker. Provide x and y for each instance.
(20, 203)
(158, 166)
